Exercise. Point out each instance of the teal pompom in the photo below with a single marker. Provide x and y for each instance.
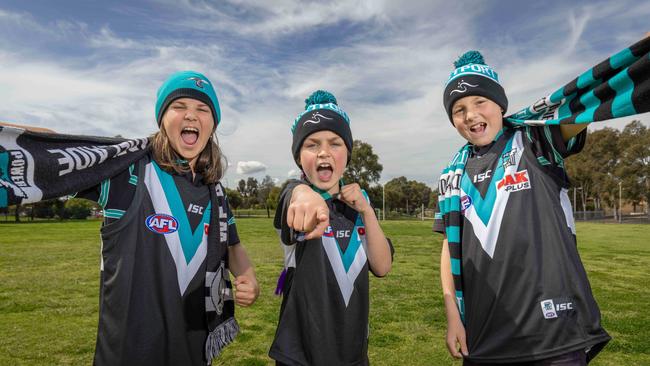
(468, 58)
(320, 97)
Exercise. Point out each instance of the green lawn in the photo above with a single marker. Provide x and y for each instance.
(49, 277)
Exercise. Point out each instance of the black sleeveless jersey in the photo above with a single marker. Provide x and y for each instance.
(324, 312)
(526, 292)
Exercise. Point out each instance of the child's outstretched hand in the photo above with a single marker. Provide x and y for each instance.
(308, 212)
(352, 196)
(246, 290)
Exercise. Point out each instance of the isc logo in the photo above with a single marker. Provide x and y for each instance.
(192, 208)
(342, 233)
(161, 223)
(478, 178)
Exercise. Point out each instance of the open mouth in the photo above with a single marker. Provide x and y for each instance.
(478, 128)
(190, 135)
(324, 171)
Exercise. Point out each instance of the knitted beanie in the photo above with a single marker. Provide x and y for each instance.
(187, 84)
(472, 76)
(321, 113)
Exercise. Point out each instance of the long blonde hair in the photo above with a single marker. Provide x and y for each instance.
(210, 163)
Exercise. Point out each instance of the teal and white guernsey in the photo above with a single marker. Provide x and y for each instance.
(165, 295)
(525, 294)
(324, 313)
(616, 87)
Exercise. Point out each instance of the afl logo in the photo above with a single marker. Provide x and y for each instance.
(361, 231)
(465, 202)
(162, 224)
(328, 232)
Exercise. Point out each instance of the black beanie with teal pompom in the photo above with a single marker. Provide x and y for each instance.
(321, 113)
(472, 76)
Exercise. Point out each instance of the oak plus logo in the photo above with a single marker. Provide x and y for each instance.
(518, 181)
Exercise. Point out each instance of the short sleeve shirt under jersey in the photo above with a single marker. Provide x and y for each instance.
(526, 293)
(324, 312)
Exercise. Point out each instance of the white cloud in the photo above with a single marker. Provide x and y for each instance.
(387, 74)
(250, 167)
(294, 174)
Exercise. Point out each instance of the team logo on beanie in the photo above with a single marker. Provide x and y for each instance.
(462, 87)
(316, 118)
(199, 82)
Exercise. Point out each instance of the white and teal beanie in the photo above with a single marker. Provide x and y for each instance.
(187, 84)
(472, 76)
(322, 112)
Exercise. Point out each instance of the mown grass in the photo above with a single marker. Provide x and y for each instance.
(49, 294)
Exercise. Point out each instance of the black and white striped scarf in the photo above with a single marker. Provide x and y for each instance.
(37, 166)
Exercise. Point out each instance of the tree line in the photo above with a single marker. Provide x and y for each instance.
(612, 163)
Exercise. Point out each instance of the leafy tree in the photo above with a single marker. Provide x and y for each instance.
(634, 166)
(241, 188)
(234, 198)
(364, 167)
(407, 194)
(43, 209)
(78, 208)
(591, 171)
(264, 190)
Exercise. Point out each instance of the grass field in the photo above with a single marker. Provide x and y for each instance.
(49, 278)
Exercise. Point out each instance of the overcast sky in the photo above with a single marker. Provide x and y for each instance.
(93, 67)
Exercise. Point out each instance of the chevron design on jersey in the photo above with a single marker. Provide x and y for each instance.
(486, 214)
(348, 265)
(188, 249)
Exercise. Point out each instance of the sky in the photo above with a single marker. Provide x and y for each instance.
(93, 67)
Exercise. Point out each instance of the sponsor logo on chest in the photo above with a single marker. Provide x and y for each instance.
(515, 182)
(161, 223)
(478, 178)
(342, 234)
(195, 209)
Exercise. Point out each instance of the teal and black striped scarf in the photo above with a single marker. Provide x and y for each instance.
(616, 87)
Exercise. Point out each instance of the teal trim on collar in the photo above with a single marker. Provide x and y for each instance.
(326, 195)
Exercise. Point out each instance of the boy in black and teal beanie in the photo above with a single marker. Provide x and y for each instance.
(514, 287)
(331, 238)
